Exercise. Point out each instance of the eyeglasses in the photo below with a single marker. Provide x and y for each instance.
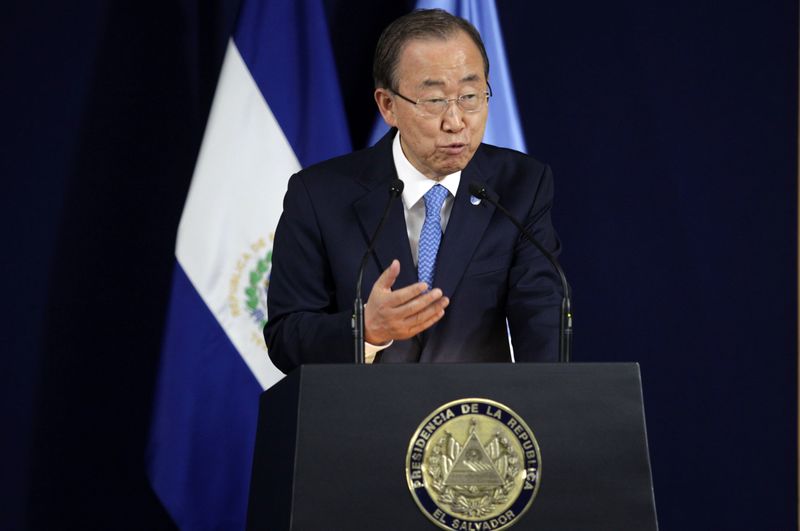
(468, 103)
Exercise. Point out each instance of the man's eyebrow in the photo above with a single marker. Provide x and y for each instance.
(438, 82)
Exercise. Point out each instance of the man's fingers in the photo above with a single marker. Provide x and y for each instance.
(429, 317)
(392, 324)
(426, 312)
(389, 275)
(399, 306)
(412, 292)
(422, 302)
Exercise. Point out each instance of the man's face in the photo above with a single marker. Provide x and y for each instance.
(437, 145)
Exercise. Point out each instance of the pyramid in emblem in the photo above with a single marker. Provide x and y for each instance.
(473, 467)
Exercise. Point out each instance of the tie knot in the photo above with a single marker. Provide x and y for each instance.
(434, 198)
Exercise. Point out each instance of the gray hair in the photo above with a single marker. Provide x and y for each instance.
(419, 24)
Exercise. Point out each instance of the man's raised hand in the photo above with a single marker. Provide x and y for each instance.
(402, 313)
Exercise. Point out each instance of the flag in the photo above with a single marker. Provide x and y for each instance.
(277, 108)
(503, 126)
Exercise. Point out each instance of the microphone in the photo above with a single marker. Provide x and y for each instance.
(395, 189)
(565, 326)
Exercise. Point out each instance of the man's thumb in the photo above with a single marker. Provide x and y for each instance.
(389, 275)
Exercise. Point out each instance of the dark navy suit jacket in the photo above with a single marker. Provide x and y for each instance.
(486, 268)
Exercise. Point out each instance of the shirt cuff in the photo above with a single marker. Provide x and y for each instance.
(371, 350)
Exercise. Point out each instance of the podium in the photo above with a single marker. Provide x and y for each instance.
(332, 443)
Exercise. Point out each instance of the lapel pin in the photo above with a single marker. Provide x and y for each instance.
(474, 200)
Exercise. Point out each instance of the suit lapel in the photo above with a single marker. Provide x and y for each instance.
(465, 229)
(393, 241)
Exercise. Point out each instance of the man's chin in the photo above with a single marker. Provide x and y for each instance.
(441, 173)
(452, 167)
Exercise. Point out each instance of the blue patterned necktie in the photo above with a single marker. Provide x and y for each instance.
(431, 234)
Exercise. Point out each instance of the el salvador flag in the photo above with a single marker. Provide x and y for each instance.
(503, 126)
(277, 108)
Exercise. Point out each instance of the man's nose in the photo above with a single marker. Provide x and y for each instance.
(453, 118)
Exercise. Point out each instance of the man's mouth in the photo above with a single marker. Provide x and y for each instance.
(454, 148)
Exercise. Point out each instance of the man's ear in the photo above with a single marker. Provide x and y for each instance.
(385, 102)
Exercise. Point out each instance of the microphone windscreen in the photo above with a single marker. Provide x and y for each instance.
(396, 187)
(478, 190)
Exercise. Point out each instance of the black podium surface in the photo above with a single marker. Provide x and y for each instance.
(332, 443)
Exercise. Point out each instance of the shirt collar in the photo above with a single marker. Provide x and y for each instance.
(415, 183)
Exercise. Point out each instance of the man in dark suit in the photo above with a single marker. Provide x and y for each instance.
(448, 270)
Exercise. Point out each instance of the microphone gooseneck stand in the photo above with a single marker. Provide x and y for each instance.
(565, 324)
(395, 189)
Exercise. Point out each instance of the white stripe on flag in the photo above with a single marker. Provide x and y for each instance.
(233, 207)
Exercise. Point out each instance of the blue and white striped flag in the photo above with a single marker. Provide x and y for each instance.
(503, 126)
(277, 107)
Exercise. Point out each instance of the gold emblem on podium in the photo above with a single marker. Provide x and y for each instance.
(473, 464)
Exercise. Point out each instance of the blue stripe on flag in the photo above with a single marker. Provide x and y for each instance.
(287, 50)
(205, 390)
(503, 127)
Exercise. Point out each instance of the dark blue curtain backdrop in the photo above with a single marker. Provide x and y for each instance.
(672, 132)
